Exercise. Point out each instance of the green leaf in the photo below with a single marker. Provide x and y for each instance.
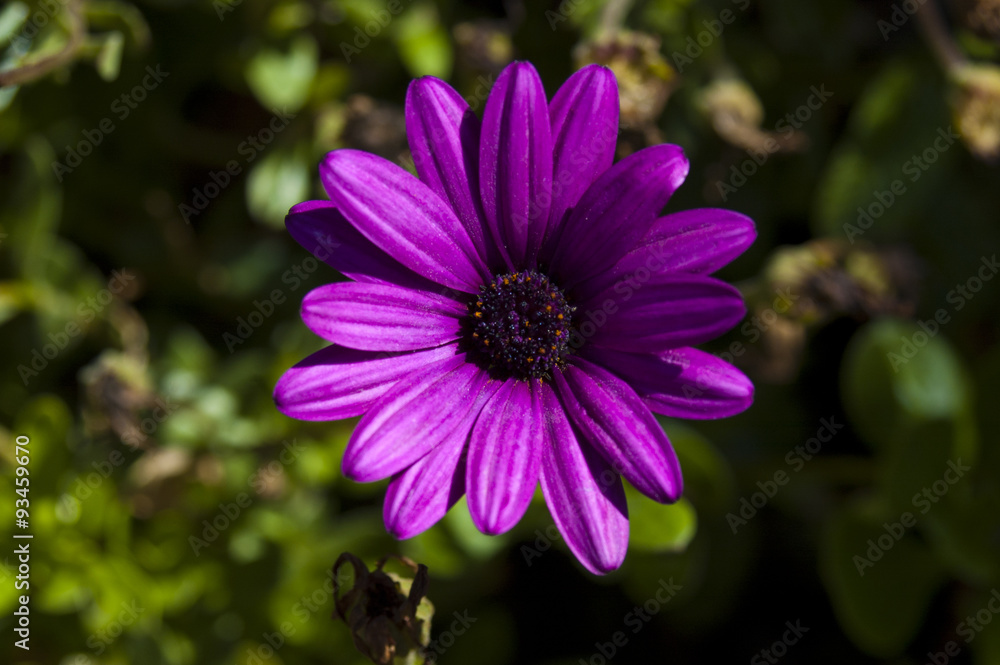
(897, 118)
(11, 19)
(277, 183)
(657, 527)
(895, 375)
(475, 543)
(423, 42)
(882, 609)
(109, 57)
(708, 477)
(119, 15)
(283, 80)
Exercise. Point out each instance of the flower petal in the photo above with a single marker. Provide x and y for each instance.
(320, 228)
(443, 133)
(504, 456)
(682, 383)
(613, 419)
(413, 417)
(584, 494)
(421, 495)
(403, 217)
(515, 164)
(667, 311)
(617, 211)
(336, 382)
(381, 317)
(694, 241)
(584, 116)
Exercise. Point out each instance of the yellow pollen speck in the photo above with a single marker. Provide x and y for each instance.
(558, 334)
(553, 347)
(479, 303)
(486, 342)
(476, 335)
(531, 360)
(506, 281)
(479, 315)
(548, 308)
(559, 317)
(541, 350)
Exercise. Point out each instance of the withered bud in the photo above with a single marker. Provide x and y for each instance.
(980, 16)
(736, 115)
(976, 108)
(389, 616)
(645, 78)
(484, 47)
(375, 127)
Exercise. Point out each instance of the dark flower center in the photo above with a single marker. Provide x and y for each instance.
(520, 325)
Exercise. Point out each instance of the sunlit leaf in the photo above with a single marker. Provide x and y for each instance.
(282, 80)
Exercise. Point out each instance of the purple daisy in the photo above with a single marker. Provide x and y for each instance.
(518, 313)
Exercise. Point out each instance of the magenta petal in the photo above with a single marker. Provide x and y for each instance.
(320, 228)
(515, 164)
(421, 495)
(584, 494)
(584, 115)
(504, 456)
(380, 317)
(336, 383)
(413, 418)
(443, 134)
(682, 383)
(617, 211)
(403, 217)
(694, 241)
(667, 311)
(612, 417)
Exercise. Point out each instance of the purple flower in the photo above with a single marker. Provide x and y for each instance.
(517, 314)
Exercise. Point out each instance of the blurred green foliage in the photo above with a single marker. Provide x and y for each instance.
(179, 519)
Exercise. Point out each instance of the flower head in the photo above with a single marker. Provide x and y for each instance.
(517, 313)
